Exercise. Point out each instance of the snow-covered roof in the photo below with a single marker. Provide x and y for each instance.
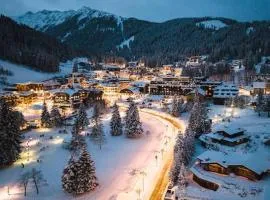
(231, 131)
(68, 91)
(258, 162)
(199, 90)
(220, 137)
(259, 85)
(134, 90)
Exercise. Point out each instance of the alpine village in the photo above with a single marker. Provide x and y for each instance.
(102, 107)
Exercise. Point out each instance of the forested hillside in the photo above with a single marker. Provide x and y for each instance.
(23, 45)
(102, 33)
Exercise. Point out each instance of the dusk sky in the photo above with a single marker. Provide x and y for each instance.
(154, 10)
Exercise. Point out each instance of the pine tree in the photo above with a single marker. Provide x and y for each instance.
(69, 177)
(56, 119)
(77, 140)
(178, 158)
(182, 181)
(10, 136)
(133, 126)
(180, 103)
(97, 134)
(80, 176)
(175, 108)
(198, 118)
(45, 117)
(75, 68)
(86, 174)
(189, 141)
(82, 117)
(116, 125)
(259, 103)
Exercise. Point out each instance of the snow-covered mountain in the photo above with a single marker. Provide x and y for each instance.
(100, 33)
(45, 19)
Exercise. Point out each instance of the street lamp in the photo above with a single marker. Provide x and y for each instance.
(143, 173)
(162, 151)
(138, 191)
(28, 148)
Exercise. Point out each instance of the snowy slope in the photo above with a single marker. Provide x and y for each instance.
(22, 73)
(126, 43)
(42, 20)
(212, 24)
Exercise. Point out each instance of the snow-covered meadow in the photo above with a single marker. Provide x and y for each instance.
(120, 164)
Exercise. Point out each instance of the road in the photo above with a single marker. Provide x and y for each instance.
(163, 178)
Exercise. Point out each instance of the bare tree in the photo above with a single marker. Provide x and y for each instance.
(24, 179)
(37, 177)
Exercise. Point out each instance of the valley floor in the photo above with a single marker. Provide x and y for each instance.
(126, 168)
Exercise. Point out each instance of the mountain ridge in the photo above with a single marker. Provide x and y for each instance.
(101, 34)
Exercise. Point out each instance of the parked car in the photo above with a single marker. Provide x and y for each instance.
(170, 193)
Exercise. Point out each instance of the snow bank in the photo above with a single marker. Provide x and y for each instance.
(212, 24)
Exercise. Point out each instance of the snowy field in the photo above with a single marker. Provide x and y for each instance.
(212, 24)
(120, 164)
(235, 187)
(23, 73)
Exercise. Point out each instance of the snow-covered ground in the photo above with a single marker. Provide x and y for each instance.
(119, 165)
(212, 24)
(125, 43)
(234, 186)
(23, 73)
(259, 65)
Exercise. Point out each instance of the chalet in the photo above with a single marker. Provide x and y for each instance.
(194, 61)
(29, 86)
(227, 136)
(253, 166)
(224, 92)
(167, 69)
(69, 97)
(110, 91)
(51, 85)
(261, 83)
(170, 86)
(209, 86)
(10, 97)
(129, 92)
(26, 97)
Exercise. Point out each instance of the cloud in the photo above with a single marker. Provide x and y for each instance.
(155, 10)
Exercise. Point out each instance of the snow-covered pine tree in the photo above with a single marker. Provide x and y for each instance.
(180, 103)
(82, 117)
(56, 118)
(198, 118)
(260, 103)
(178, 158)
(86, 174)
(133, 126)
(98, 135)
(77, 141)
(10, 136)
(69, 180)
(45, 117)
(175, 109)
(189, 141)
(80, 176)
(182, 182)
(116, 124)
(75, 68)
